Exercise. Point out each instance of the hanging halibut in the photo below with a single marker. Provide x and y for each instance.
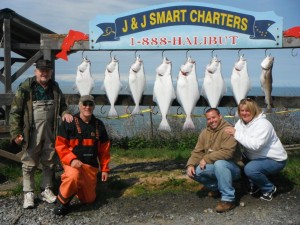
(84, 80)
(163, 91)
(187, 91)
(240, 81)
(137, 83)
(112, 85)
(214, 86)
(266, 80)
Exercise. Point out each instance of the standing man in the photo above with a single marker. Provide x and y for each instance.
(81, 145)
(34, 114)
(213, 162)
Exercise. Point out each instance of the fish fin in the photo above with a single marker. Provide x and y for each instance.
(154, 97)
(62, 55)
(112, 112)
(136, 110)
(203, 92)
(164, 125)
(74, 87)
(188, 124)
(173, 95)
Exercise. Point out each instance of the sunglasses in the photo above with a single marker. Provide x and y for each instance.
(246, 100)
(88, 103)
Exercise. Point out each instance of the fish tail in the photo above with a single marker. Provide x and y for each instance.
(164, 125)
(188, 124)
(62, 55)
(136, 110)
(112, 112)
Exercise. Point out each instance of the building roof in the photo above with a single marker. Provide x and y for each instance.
(23, 31)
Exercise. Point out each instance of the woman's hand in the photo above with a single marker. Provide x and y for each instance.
(230, 130)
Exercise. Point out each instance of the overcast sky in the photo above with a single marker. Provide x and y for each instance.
(62, 15)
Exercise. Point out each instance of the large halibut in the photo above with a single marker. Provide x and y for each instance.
(187, 90)
(163, 92)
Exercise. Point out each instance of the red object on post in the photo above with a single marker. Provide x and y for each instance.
(69, 41)
(292, 32)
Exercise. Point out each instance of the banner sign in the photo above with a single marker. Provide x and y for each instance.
(186, 25)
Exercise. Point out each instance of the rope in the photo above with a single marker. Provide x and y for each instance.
(127, 115)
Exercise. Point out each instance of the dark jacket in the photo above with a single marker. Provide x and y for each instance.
(21, 113)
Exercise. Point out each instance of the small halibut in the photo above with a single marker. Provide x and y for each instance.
(112, 85)
(266, 80)
(84, 80)
(137, 83)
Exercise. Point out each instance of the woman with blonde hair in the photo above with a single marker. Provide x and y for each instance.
(263, 151)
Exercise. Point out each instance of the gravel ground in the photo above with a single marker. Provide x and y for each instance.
(113, 207)
(176, 209)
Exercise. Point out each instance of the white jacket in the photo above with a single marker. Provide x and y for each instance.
(259, 139)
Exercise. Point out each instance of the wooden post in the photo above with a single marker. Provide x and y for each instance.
(7, 62)
(151, 121)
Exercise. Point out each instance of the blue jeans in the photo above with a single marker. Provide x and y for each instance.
(257, 170)
(219, 176)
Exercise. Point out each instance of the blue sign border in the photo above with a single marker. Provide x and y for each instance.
(186, 25)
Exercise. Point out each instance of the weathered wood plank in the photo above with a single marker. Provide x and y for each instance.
(54, 41)
(147, 100)
(11, 156)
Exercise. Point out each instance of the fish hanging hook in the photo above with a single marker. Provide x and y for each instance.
(266, 52)
(230, 111)
(135, 55)
(212, 54)
(82, 55)
(178, 111)
(110, 54)
(127, 111)
(239, 53)
(294, 54)
(102, 110)
(186, 54)
(152, 110)
(162, 54)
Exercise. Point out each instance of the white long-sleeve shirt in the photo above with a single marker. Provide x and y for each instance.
(259, 139)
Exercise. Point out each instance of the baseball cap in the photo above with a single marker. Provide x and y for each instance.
(85, 98)
(44, 64)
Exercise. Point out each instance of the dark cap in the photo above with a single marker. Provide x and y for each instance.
(86, 98)
(43, 64)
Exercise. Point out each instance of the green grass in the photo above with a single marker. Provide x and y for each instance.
(133, 179)
(292, 170)
(11, 171)
(150, 154)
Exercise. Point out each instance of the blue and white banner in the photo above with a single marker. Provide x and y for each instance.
(186, 26)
